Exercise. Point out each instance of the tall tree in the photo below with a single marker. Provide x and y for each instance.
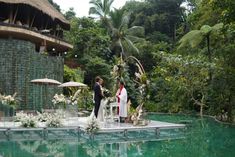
(116, 22)
(123, 38)
(172, 11)
(102, 9)
(91, 51)
(70, 14)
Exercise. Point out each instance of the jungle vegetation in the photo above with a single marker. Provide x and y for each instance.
(187, 48)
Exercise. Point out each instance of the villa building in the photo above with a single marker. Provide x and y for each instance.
(31, 46)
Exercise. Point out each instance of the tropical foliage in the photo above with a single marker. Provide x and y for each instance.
(186, 48)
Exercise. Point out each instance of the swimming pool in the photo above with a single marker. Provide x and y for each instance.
(202, 138)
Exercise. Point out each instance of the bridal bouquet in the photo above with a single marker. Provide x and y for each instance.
(106, 92)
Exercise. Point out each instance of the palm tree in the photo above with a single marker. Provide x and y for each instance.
(102, 8)
(195, 37)
(123, 38)
(116, 21)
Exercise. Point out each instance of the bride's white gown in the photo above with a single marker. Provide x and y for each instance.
(101, 112)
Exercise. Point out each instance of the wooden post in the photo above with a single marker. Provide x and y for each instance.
(44, 43)
(43, 47)
(125, 133)
(30, 26)
(157, 131)
(11, 15)
(16, 12)
(46, 23)
(8, 133)
(57, 34)
(45, 133)
(79, 131)
(28, 18)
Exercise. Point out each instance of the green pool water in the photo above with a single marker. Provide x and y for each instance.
(202, 138)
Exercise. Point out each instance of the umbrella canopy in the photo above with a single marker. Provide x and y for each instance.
(45, 81)
(73, 84)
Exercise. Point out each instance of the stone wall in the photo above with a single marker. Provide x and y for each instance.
(19, 64)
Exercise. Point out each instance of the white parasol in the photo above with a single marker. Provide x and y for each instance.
(45, 81)
(73, 84)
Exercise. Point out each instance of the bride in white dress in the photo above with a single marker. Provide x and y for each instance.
(101, 113)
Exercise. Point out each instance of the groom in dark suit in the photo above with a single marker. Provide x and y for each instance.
(97, 95)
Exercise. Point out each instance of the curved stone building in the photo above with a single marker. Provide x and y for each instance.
(31, 46)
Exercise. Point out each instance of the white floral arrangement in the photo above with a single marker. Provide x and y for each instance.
(54, 121)
(27, 120)
(42, 117)
(92, 125)
(19, 116)
(31, 121)
(73, 101)
(59, 99)
(62, 100)
(8, 100)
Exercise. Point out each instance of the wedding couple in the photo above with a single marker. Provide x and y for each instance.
(121, 96)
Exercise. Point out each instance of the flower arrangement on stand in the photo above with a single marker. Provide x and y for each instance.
(59, 99)
(9, 100)
(120, 71)
(143, 82)
(72, 101)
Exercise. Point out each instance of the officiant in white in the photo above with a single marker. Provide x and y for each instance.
(121, 96)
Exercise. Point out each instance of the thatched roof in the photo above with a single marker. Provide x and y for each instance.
(43, 6)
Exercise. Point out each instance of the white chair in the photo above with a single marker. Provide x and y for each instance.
(112, 115)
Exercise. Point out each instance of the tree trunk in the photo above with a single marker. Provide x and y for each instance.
(174, 33)
(201, 110)
(230, 109)
(209, 56)
(208, 48)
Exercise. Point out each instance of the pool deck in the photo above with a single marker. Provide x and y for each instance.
(80, 123)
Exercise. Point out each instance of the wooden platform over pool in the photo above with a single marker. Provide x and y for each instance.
(106, 127)
(80, 123)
